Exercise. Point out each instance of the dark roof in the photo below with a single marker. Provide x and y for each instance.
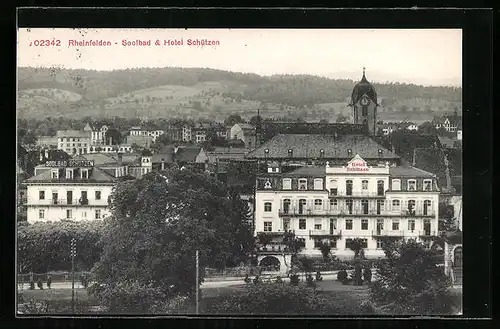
(313, 171)
(96, 176)
(270, 129)
(361, 88)
(98, 158)
(309, 146)
(408, 171)
(187, 154)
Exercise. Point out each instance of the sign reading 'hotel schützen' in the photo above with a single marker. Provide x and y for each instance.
(357, 164)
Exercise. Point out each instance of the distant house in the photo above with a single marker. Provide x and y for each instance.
(163, 157)
(146, 130)
(187, 133)
(184, 155)
(97, 132)
(74, 141)
(140, 140)
(244, 132)
(47, 141)
(447, 142)
(449, 123)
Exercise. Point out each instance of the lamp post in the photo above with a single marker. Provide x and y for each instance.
(73, 255)
(197, 284)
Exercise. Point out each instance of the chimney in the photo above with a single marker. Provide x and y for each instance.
(120, 159)
(46, 153)
(162, 164)
(110, 140)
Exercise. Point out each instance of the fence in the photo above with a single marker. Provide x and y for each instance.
(57, 277)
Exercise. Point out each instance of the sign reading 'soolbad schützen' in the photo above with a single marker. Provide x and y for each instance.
(70, 163)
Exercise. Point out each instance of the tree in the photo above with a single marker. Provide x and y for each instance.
(232, 120)
(325, 249)
(323, 121)
(243, 243)
(115, 135)
(427, 128)
(29, 138)
(409, 282)
(341, 118)
(149, 243)
(160, 142)
(356, 245)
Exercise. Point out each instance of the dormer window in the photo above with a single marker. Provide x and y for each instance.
(412, 185)
(349, 152)
(69, 173)
(266, 151)
(290, 152)
(379, 152)
(321, 153)
(396, 185)
(55, 173)
(427, 184)
(267, 185)
(84, 173)
(302, 184)
(287, 184)
(318, 183)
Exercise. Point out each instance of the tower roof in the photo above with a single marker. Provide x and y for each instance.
(361, 88)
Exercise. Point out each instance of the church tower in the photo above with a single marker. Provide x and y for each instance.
(364, 105)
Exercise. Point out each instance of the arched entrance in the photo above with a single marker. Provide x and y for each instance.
(270, 263)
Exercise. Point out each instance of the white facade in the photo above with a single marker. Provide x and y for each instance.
(74, 142)
(459, 134)
(323, 207)
(146, 132)
(97, 134)
(187, 134)
(51, 202)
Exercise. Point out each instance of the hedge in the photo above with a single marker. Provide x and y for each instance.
(44, 247)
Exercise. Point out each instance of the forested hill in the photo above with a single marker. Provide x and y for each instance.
(51, 91)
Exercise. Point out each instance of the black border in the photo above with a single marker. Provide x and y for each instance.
(477, 102)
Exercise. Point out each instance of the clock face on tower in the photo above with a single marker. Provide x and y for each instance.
(364, 101)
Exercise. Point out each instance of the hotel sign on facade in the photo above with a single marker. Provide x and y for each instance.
(357, 165)
(70, 163)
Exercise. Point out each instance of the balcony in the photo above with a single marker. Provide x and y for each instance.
(344, 211)
(427, 233)
(356, 194)
(391, 233)
(325, 232)
(66, 202)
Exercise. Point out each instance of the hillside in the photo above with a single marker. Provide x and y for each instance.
(207, 93)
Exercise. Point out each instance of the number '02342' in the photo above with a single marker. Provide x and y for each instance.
(45, 43)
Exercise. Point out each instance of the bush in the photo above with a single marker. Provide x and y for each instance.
(247, 279)
(278, 279)
(35, 254)
(32, 285)
(40, 284)
(294, 279)
(342, 276)
(310, 281)
(272, 298)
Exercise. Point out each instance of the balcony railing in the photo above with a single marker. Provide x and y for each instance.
(356, 194)
(427, 233)
(343, 211)
(66, 202)
(325, 232)
(394, 233)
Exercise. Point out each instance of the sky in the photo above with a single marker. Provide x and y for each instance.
(426, 57)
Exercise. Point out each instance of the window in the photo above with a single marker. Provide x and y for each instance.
(411, 207)
(97, 214)
(318, 204)
(380, 225)
(363, 242)
(348, 224)
(349, 204)
(317, 226)
(69, 213)
(55, 173)
(379, 244)
(396, 184)
(333, 187)
(427, 184)
(411, 225)
(364, 206)
(286, 225)
(395, 225)
(318, 243)
(69, 173)
(380, 187)
(41, 195)
(267, 206)
(287, 184)
(334, 203)
(364, 185)
(302, 184)
(286, 205)
(318, 184)
(290, 152)
(380, 206)
(348, 187)
(364, 111)
(364, 224)
(333, 243)
(302, 224)
(333, 225)
(412, 185)
(427, 207)
(98, 195)
(268, 226)
(396, 205)
(41, 214)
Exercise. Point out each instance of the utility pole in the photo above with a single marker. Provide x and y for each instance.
(73, 255)
(197, 284)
